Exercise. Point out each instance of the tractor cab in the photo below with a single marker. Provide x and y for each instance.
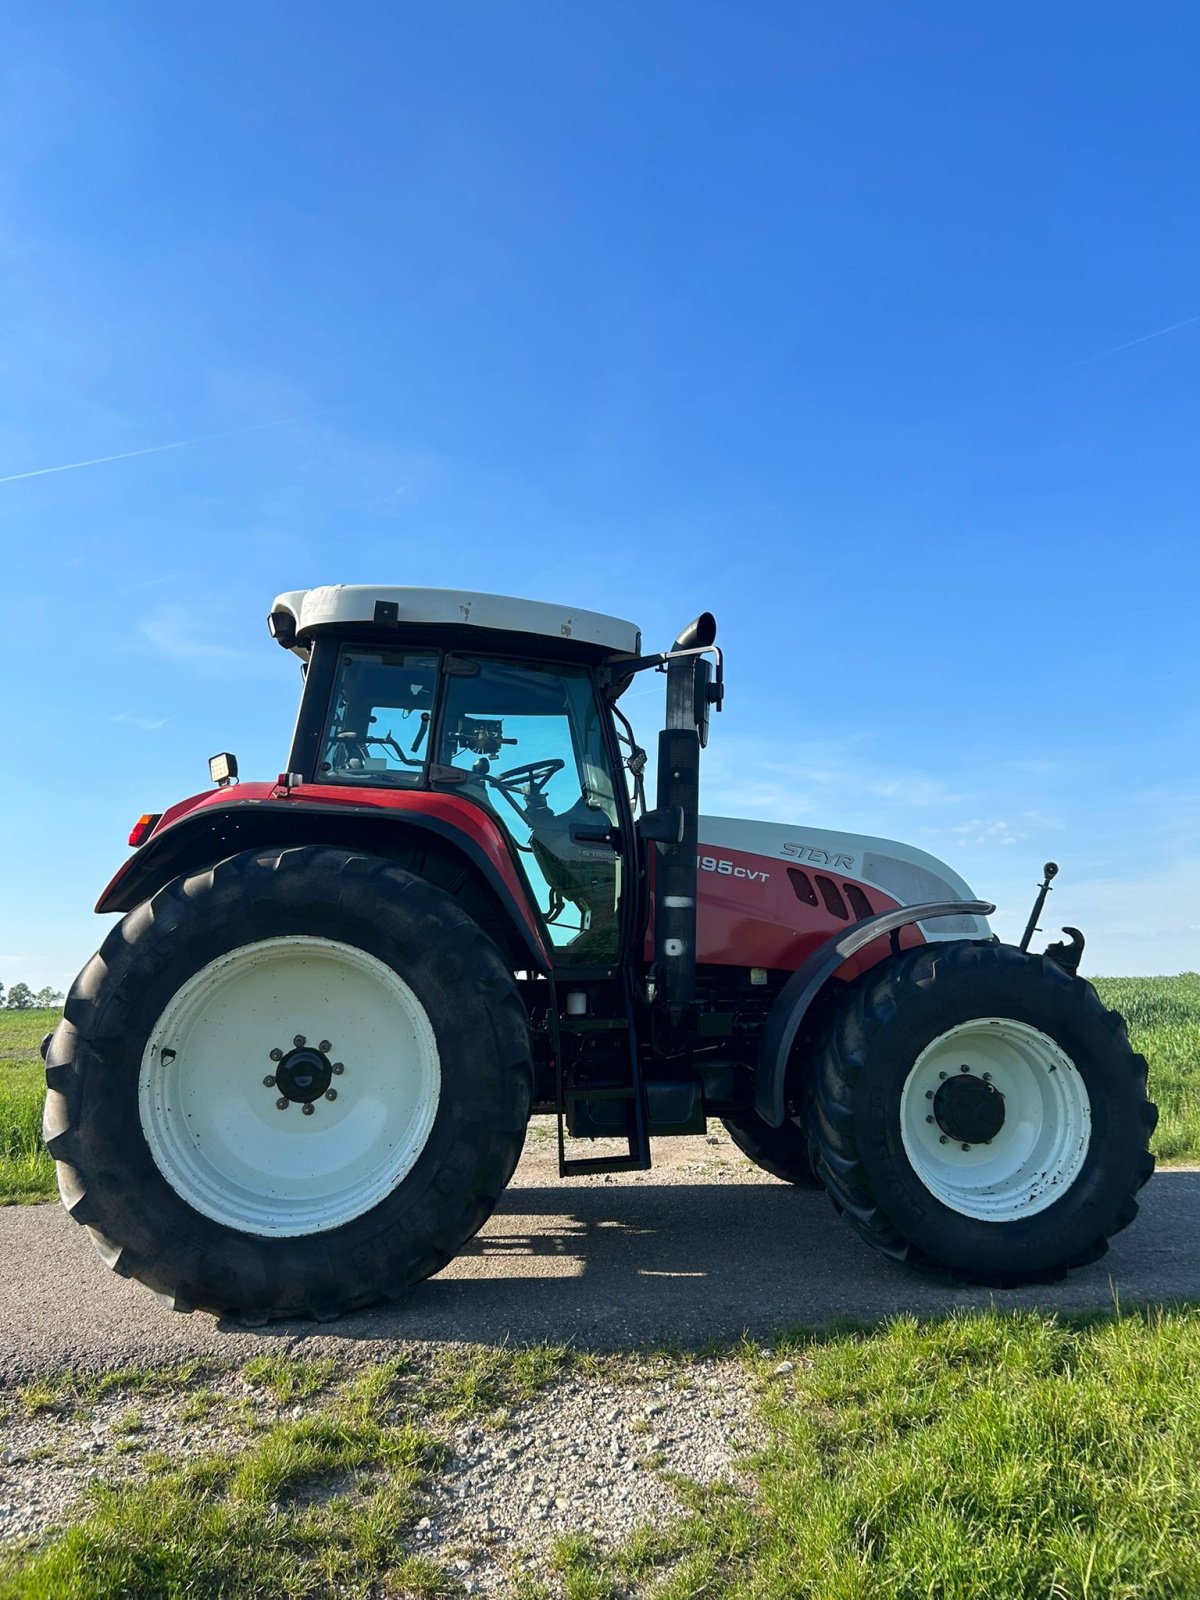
(506, 704)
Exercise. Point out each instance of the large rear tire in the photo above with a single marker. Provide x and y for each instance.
(976, 1113)
(290, 1085)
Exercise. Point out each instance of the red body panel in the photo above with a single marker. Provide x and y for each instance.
(748, 914)
(448, 809)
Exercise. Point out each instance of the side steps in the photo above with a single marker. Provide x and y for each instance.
(633, 1093)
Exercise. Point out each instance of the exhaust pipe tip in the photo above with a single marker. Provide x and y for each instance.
(698, 635)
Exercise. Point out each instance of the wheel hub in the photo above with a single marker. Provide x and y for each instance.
(968, 1109)
(304, 1075)
(995, 1119)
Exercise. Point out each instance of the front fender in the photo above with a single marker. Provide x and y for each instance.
(801, 989)
(219, 828)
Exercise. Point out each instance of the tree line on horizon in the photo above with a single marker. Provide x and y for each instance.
(22, 998)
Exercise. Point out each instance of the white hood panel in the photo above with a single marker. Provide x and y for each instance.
(909, 875)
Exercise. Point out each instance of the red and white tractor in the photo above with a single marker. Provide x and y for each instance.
(297, 1076)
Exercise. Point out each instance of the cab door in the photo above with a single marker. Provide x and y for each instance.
(531, 741)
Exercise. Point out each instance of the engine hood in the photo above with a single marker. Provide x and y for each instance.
(907, 875)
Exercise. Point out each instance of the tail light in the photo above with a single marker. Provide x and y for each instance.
(144, 827)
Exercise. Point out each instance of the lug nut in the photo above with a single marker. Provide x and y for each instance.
(987, 1077)
(941, 1074)
(966, 1146)
(331, 1094)
(276, 1055)
(269, 1081)
(338, 1068)
(324, 1045)
(929, 1094)
(309, 1108)
(928, 1119)
(281, 1104)
(942, 1139)
(964, 1069)
(298, 1040)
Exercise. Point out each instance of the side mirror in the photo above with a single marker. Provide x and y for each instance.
(664, 825)
(701, 696)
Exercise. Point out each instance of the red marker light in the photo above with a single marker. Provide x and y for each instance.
(144, 827)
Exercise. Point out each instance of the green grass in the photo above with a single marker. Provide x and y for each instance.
(1163, 1016)
(290, 1380)
(26, 1171)
(71, 1391)
(988, 1457)
(315, 1506)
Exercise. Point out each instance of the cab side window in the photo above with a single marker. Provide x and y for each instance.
(379, 719)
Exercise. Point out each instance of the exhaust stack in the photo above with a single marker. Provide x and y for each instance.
(679, 787)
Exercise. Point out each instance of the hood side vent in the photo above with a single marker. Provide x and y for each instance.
(802, 884)
(832, 897)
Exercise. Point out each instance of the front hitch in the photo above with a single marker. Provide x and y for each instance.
(1066, 955)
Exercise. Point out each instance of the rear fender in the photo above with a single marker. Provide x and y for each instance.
(796, 997)
(493, 890)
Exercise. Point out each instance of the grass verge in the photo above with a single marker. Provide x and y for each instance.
(988, 1457)
(319, 1502)
(312, 1506)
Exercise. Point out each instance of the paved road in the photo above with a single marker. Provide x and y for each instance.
(701, 1248)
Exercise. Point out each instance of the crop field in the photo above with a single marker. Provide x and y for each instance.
(26, 1171)
(1163, 1016)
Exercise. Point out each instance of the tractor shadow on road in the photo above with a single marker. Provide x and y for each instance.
(609, 1266)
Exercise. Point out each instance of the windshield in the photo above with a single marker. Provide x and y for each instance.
(379, 722)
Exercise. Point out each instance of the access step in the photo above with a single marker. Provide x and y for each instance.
(580, 1167)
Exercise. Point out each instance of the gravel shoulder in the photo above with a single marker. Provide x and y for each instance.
(590, 1455)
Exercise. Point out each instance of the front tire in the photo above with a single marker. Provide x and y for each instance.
(783, 1151)
(290, 1085)
(976, 1113)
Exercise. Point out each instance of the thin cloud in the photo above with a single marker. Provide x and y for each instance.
(175, 632)
(146, 724)
(977, 832)
(192, 634)
(161, 449)
(1145, 338)
(98, 461)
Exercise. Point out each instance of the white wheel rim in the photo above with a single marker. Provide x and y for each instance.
(1033, 1159)
(213, 1124)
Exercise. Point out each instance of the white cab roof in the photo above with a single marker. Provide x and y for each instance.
(339, 603)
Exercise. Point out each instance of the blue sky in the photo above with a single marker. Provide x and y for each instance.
(846, 322)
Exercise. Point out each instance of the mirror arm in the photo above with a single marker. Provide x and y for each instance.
(615, 671)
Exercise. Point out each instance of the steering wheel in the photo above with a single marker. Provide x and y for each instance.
(536, 773)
